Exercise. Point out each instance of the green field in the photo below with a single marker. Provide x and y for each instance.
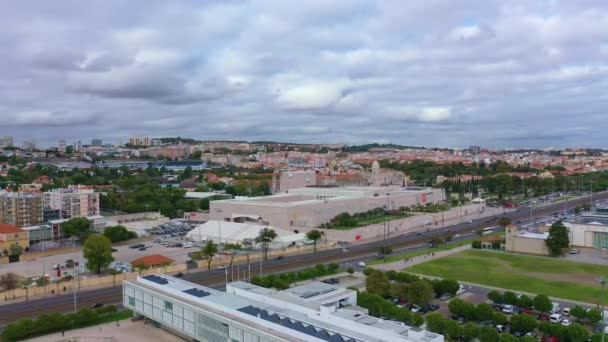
(446, 247)
(553, 277)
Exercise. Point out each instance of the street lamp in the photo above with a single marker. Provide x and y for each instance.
(603, 284)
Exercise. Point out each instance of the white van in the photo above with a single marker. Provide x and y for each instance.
(555, 308)
(361, 264)
(555, 318)
(461, 290)
(566, 312)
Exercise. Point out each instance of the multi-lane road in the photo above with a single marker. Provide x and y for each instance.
(216, 278)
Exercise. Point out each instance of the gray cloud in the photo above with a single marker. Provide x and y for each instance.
(441, 73)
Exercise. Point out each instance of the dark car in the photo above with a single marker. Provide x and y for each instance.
(279, 257)
(96, 306)
(332, 281)
(142, 248)
(179, 275)
(433, 307)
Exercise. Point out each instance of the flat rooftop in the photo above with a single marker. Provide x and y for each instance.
(282, 316)
(590, 220)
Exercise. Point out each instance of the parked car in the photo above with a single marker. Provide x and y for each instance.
(179, 275)
(508, 309)
(96, 306)
(445, 297)
(566, 311)
(574, 251)
(361, 264)
(566, 322)
(555, 318)
(433, 307)
(501, 328)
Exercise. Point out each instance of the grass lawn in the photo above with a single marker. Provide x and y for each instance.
(373, 220)
(446, 247)
(553, 277)
(563, 198)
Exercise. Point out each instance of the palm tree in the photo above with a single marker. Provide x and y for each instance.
(234, 249)
(209, 251)
(314, 235)
(264, 238)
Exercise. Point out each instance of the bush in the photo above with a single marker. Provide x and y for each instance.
(350, 270)
(476, 244)
(368, 270)
(118, 233)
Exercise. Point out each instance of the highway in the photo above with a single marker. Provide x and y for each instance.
(216, 278)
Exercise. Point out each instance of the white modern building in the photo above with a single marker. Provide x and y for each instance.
(73, 201)
(247, 313)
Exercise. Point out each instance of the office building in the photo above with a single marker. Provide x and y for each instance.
(315, 312)
(72, 202)
(6, 141)
(20, 209)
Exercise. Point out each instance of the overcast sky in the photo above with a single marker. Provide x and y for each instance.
(498, 73)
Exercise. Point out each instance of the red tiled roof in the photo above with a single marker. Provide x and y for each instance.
(152, 260)
(9, 229)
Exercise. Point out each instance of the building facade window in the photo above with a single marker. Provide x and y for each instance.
(131, 301)
(168, 306)
(600, 240)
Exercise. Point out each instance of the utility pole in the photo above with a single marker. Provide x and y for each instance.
(603, 284)
(76, 289)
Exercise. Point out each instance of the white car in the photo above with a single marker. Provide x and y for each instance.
(223, 267)
(415, 308)
(566, 322)
(566, 311)
(555, 318)
(361, 264)
(508, 309)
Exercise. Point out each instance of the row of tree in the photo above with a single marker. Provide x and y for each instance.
(283, 280)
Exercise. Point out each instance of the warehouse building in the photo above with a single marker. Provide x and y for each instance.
(313, 206)
(235, 232)
(314, 312)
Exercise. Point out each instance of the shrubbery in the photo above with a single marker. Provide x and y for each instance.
(118, 233)
(50, 323)
(282, 281)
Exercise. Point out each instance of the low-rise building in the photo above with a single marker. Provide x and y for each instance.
(525, 242)
(315, 312)
(12, 235)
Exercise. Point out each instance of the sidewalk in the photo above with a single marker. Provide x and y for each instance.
(400, 265)
(128, 331)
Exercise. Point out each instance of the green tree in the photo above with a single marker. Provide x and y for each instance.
(578, 312)
(483, 312)
(97, 251)
(377, 282)
(488, 334)
(523, 323)
(350, 270)
(314, 235)
(446, 286)
(507, 338)
(264, 238)
(542, 303)
(15, 249)
(118, 233)
(558, 239)
(504, 221)
(233, 249)
(208, 251)
(420, 292)
(495, 296)
(470, 331)
(453, 330)
(457, 307)
(9, 281)
(577, 333)
(500, 318)
(435, 322)
(527, 339)
(510, 298)
(594, 315)
(525, 302)
(76, 227)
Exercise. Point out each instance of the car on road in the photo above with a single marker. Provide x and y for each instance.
(445, 297)
(574, 251)
(332, 281)
(361, 264)
(223, 267)
(179, 275)
(142, 248)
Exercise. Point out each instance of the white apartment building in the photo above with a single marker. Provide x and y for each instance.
(72, 202)
(314, 312)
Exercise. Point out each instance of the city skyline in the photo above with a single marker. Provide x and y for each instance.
(500, 74)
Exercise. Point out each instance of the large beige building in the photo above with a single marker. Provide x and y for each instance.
(20, 209)
(525, 242)
(313, 206)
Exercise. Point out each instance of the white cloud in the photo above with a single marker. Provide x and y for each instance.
(420, 113)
